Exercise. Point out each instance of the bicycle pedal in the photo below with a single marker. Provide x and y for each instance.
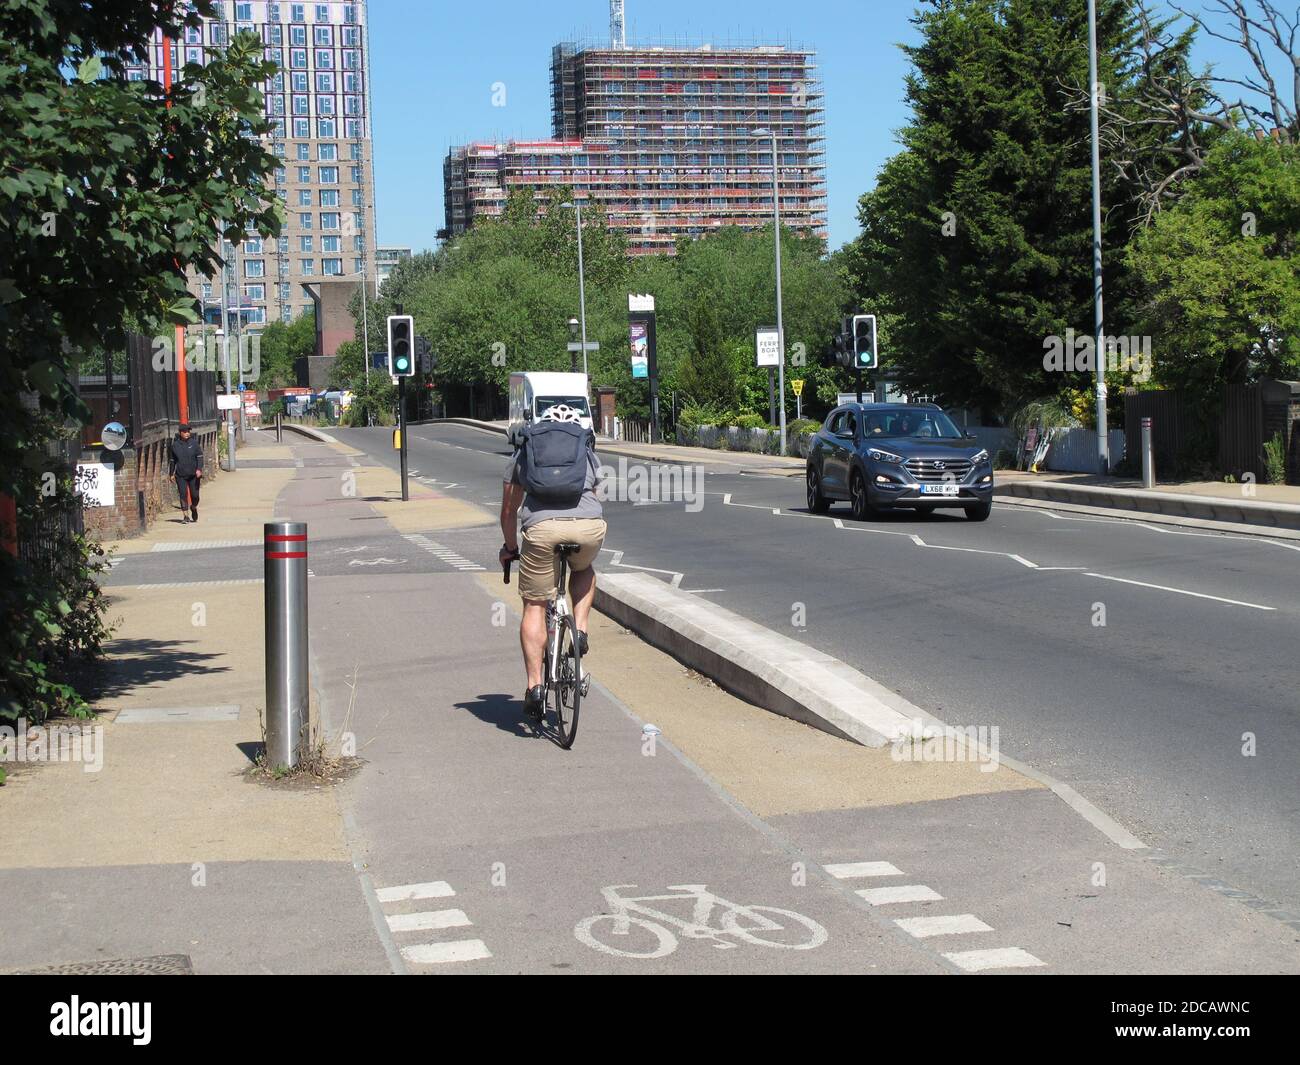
(586, 684)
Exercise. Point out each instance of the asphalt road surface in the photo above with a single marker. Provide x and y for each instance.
(1152, 669)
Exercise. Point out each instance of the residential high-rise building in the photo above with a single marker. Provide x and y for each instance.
(663, 139)
(386, 258)
(319, 105)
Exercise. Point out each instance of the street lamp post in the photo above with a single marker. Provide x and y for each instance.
(776, 229)
(1103, 445)
(582, 287)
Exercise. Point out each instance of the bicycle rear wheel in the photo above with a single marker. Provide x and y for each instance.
(566, 692)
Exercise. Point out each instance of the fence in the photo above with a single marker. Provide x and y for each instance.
(155, 406)
(1075, 450)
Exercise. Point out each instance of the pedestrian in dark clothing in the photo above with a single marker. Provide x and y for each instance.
(185, 463)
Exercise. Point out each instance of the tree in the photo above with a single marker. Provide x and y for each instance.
(282, 345)
(1220, 272)
(106, 197)
(977, 238)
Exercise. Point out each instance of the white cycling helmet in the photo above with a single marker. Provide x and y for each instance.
(561, 412)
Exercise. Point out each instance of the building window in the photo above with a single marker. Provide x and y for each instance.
(350, 13)
(324, 59)
(244, 12)
(304, 220)
(254, 268)
(327, 152)
(322, 12)
(301, 128)
(351, 82)
(306, 267)
(194, 55)
(253, 246)
(283, 245)
(354, 129)
(356, 175)
(299, 78)
(326, 127)
(297, 12)
(356, 151)
(359, 265)
(304, 244)
(324, 36)
(272, 12)
(257, 293)
(330, 244)
(275, 35)
(350, 36)
(218, 33)
(304, 175)
(329, 197)
(332, 266)
(298, 57)
(329, 220)
(352, 60)
(301, 106)
(356, 197)
(329, 175)
(298, 35)
(304, 197)
(324, 105)
(325, 81)
(304, 151)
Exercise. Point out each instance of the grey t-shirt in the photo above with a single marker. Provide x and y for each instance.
(532, 511)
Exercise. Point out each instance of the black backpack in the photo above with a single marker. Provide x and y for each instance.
(553, 461)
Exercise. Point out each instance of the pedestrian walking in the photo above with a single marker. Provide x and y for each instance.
(185, 463)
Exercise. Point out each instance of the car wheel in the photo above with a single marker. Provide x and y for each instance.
(980, 512)
(817, 502)
(858, 501)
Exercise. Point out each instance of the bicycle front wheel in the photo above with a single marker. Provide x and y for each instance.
(566, 692)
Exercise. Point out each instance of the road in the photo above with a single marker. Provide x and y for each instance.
(1152, 669)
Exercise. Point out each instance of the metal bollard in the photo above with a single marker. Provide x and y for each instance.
(288, 682)
(279, 428)
(1148, 459)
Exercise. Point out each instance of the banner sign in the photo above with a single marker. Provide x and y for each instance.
(640, 349)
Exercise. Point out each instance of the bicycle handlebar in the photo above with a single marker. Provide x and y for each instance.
(505, 568)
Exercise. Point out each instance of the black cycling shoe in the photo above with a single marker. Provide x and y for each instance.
(582, 643)
(533, 704)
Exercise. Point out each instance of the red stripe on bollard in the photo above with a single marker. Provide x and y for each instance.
(287, 539)
(286, 554)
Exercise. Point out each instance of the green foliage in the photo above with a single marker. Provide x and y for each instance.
(1275, 460)
(976, 240)
(751, 421)
(1220, 272)
(377, 399)
(282, 346)
(107, 196)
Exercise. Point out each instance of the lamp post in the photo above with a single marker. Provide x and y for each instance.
(582, 288)
(574, 326)
(776, 230)
(1103, 445)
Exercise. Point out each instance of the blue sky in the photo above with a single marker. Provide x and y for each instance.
(434, 64)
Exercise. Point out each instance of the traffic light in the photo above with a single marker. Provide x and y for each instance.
(423, 356)
(864, 342)
(401, 353)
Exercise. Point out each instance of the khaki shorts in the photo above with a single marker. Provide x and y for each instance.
(539, 565)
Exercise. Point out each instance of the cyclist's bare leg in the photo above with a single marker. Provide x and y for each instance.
(532, 638)
(582, 591)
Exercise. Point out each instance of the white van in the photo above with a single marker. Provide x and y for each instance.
(532, 393)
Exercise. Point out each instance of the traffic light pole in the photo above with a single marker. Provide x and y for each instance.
(857, 372)
(401, 432)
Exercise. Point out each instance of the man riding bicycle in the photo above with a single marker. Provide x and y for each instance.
(550, 518)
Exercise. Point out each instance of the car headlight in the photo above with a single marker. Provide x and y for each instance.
(980, 457)
(884, 456)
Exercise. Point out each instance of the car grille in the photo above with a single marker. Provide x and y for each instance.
(938, 471)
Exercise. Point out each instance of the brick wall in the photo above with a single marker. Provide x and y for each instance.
(142, 470)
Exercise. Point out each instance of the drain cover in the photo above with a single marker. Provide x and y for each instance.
(158, 965)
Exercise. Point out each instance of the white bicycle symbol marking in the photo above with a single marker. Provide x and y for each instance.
(763, 926)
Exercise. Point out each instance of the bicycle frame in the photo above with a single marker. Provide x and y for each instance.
(556, 609)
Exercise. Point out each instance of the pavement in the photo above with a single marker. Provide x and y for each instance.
(729, 840)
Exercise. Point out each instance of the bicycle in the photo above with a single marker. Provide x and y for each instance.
(562, 674)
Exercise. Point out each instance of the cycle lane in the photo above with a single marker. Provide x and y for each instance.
(488, 846)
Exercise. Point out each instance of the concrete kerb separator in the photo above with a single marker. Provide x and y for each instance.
(1172, 504)
(786, 677)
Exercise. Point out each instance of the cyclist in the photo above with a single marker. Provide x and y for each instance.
(546, 525)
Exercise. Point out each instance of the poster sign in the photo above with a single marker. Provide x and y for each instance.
(640, 349)
(94, 483)
(767, 343)
(227, 402)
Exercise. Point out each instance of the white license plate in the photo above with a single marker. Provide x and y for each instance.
(939, 489)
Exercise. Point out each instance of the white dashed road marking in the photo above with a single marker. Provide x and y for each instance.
(958, 924)
(976, 961)
(850, 870)
(446, 554)
(442, 953)
(890, 896)
(436, 952)
(420, 922)
(436, 889)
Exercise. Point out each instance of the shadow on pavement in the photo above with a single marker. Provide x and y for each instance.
(506, 712)
(138, 663)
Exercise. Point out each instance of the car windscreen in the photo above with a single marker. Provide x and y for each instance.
(545, 403)
(909, 422)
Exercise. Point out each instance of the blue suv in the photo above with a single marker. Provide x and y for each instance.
(881, 455)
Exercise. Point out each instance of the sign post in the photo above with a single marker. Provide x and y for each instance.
(641, 331)
(767, 352)
(797, 385)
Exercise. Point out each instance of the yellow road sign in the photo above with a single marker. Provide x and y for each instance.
(797, 386)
